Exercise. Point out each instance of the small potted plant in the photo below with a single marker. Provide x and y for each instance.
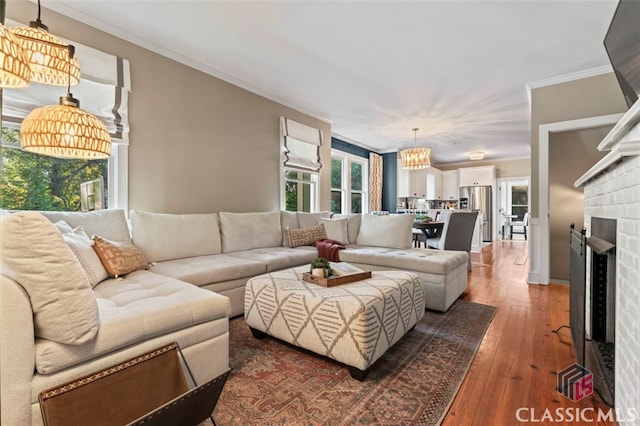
(320, 268)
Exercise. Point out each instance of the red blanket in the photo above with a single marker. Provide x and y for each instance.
(329, 249)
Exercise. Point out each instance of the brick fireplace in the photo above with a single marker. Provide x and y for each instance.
(612, 192)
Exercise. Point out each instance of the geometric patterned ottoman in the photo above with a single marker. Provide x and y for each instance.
(353, 324)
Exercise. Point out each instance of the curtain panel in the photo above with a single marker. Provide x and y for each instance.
(375, 181)
(105, 84)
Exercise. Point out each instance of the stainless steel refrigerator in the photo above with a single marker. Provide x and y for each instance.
(478, 198)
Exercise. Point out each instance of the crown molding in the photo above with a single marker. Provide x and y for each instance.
(565, 78)
(356, 143)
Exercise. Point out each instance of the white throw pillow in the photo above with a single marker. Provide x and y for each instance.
(393, 231)
(63, 227)
(353, 225)
(34, 254)
(82, 247)
(163, 236)
(336, 229)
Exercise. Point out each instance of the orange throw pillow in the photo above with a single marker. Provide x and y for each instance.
(118, 258)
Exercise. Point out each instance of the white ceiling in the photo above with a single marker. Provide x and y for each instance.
(458, 70)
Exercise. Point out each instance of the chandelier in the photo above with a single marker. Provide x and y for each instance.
(415, 158)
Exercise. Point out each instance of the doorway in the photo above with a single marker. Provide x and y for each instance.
(513, 203)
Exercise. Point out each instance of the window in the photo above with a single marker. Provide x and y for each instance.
(300, 166)
(32, 181)
(349, 183)
(519, 200)
(300, 191)
(37, 182)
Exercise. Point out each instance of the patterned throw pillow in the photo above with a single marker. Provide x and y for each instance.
(305, 236)
(118, 258)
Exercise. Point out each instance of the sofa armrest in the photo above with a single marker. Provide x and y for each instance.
(17, 357)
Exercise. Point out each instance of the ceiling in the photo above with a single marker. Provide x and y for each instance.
(457, 70)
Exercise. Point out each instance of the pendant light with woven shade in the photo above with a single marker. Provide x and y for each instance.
(14, 67)
(415, 158)
(65, 130)
(48, 55)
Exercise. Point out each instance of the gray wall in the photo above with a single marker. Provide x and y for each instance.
(587, 97)
(571, 154)
(197, 143)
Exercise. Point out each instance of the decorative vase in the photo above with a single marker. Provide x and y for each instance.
(318, 272)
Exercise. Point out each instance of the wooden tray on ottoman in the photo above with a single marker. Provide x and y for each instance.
(334, 281)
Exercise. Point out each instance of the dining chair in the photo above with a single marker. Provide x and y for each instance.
(520, 227)
(457, 233)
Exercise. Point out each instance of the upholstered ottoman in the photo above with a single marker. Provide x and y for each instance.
(353, 324)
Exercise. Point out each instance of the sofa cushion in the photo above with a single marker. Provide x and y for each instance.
(119, 258)
(336, 229)
(133, 309)
(392, 231)
(203, 270)
(245, 231)
(279, 257)
(438, 262)
(306, 220)
(34, 254)
(110, 223)
(297, 237)
(82, 247)
(163, 236)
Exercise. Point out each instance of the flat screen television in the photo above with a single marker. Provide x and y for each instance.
(92, 195)
(622, 44)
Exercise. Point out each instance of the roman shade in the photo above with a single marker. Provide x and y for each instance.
(105, 83)
(301, 146)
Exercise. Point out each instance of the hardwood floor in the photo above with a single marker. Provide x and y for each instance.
(514, 371)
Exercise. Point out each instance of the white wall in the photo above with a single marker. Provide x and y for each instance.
(616, 195)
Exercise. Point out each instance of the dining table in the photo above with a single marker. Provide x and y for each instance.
(430, 229)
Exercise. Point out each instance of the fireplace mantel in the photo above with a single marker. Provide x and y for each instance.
(622, 141)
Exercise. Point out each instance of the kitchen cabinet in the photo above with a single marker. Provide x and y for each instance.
(411, 183)
(434, 184)
(450, 185)
(477, 176)
(403, 181)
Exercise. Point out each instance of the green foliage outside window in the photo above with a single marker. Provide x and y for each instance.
(37, 182)
(298, 191)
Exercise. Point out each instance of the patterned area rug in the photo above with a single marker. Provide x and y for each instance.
(414, 383)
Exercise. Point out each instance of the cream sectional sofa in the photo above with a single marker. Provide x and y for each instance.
(188, 255)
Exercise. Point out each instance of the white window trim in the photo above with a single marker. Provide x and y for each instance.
(118, 179)
(346, 190)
